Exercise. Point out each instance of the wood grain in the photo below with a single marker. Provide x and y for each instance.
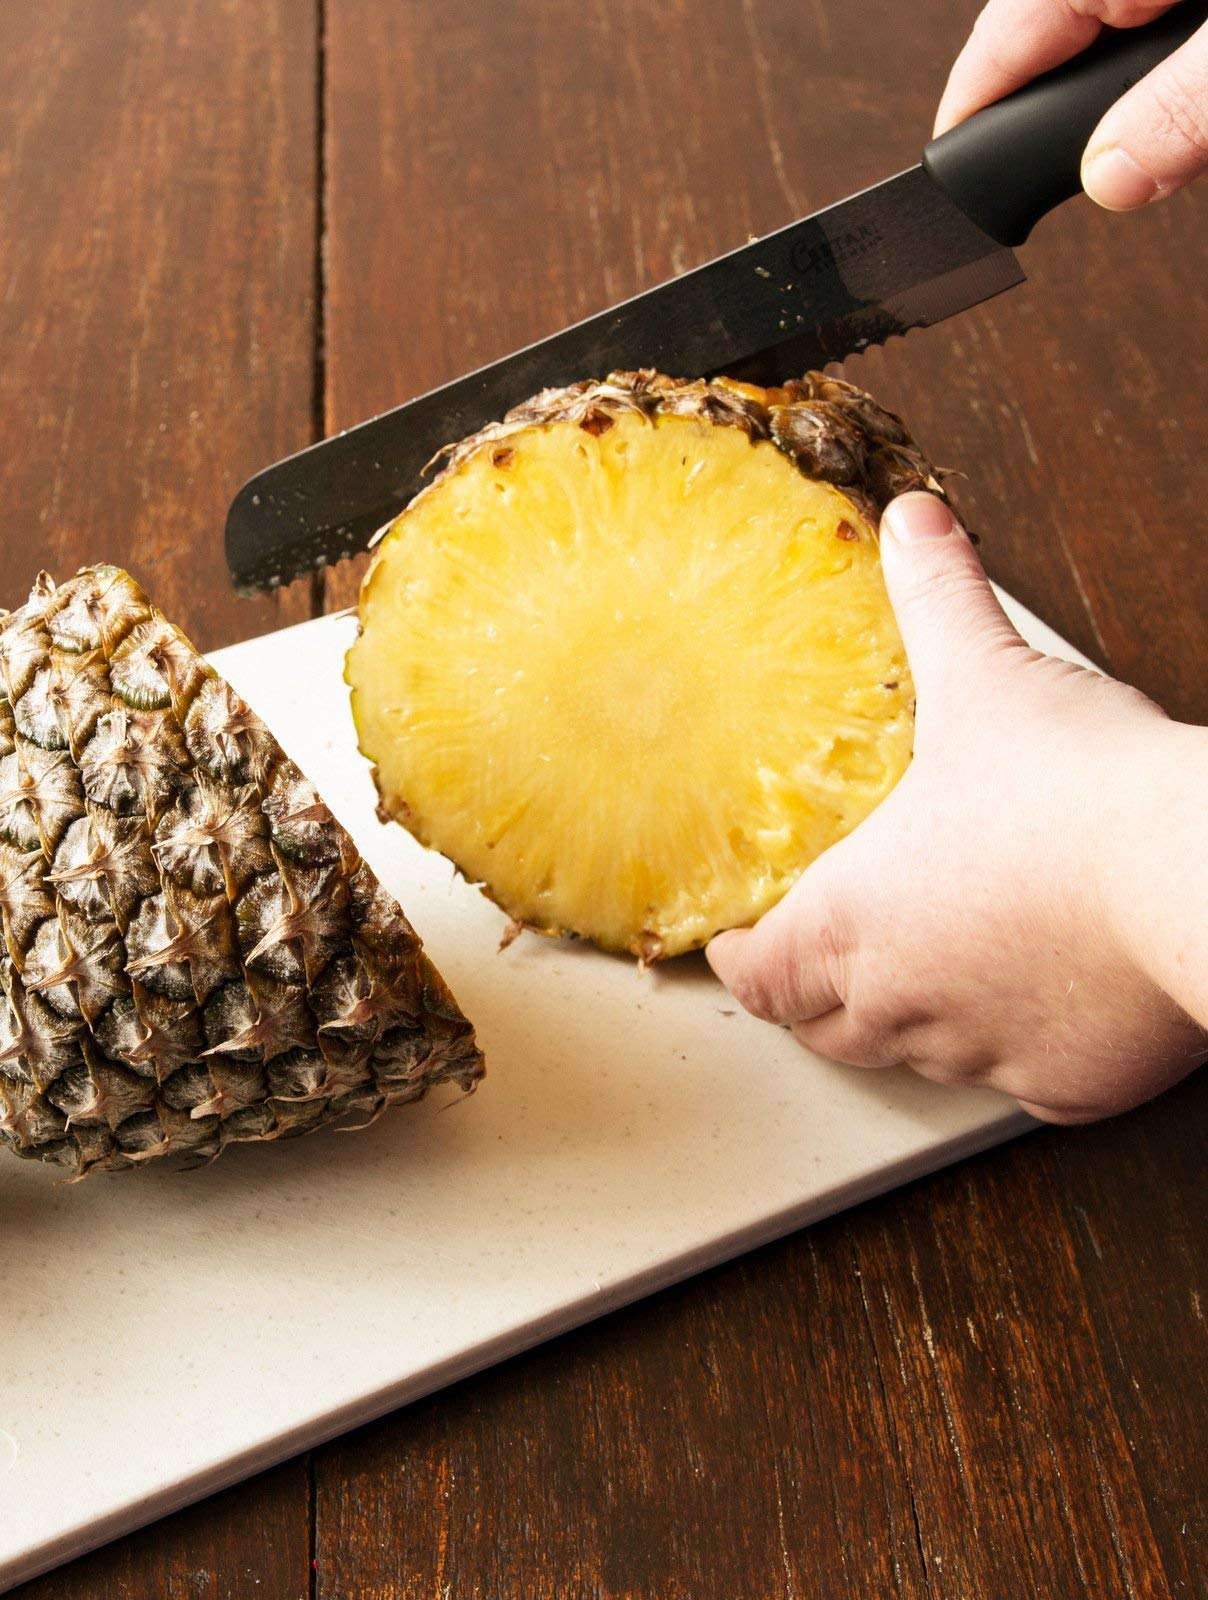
(1011, 1403)
(249, 1543)
(157, 267)
(991, 1383)
(685, 1449)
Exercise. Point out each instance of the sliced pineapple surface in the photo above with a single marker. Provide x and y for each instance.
(632, 669)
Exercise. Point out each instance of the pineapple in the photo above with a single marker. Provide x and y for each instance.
(629, 660)
(193, 951)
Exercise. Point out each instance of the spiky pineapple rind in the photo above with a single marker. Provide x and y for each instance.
(833, 431)
(194, 953)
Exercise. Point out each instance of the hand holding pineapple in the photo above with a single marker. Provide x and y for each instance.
(1025, 909)
(631, 661)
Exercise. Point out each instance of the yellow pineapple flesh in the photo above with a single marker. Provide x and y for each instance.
(631, 664)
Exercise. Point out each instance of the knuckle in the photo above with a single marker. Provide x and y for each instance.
(833, 948)
(1180, 100)
(997, 53)
(826, 945)
(874, 1026)
(996, 48)
(946, 1070)
(1117, 13)
(751, 988)
(874, 1020)
(957, 586)
(957, 593)
(831, 938)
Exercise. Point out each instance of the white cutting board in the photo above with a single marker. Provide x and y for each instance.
(164, 1335)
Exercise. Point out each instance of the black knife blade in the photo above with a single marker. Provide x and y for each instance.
(903, 254)
(897, 256)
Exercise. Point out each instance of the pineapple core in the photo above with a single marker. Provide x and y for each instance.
(634, 680)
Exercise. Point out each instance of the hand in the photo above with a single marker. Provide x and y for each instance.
(1009, 914)
(1153, 141)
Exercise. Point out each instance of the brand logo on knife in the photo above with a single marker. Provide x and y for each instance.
(815, 255)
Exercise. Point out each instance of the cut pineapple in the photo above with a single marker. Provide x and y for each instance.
(630, 661)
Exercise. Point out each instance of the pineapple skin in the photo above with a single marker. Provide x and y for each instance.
(831, 431)
(194, 954)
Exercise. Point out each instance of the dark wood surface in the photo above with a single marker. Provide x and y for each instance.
(157, 261)
(227, 224)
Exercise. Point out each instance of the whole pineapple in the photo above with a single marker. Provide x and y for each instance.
(629, 660)
(193, 951)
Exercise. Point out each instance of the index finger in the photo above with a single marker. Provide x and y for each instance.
(1014, 41)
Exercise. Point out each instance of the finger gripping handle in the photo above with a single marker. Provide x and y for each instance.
(1009, 165)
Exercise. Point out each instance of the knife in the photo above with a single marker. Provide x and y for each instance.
(912, 250)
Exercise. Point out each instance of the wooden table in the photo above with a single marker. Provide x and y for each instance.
(230, 226)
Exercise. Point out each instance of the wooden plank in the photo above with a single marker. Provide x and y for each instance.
(959, 1391)
(249, 1543)
(683, 1448)
(157, 266)
(1134, 1196)
(1044, 1458)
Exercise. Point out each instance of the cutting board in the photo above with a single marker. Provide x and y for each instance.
(164, 1335)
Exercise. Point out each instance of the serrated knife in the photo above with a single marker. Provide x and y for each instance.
(907, 253)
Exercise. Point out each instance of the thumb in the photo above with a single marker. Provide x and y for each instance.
(948, 615)
(1155, 139)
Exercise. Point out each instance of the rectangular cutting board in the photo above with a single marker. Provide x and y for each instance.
(164, 1335)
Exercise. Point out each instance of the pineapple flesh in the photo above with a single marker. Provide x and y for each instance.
(193, 951)
(629, 661)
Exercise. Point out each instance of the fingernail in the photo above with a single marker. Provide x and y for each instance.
(1114, 180)
(915, 517)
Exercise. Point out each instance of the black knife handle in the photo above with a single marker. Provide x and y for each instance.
(1009, 165)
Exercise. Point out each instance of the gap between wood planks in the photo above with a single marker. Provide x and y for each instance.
(312, 1528)
(318, 399)
(318, 578)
